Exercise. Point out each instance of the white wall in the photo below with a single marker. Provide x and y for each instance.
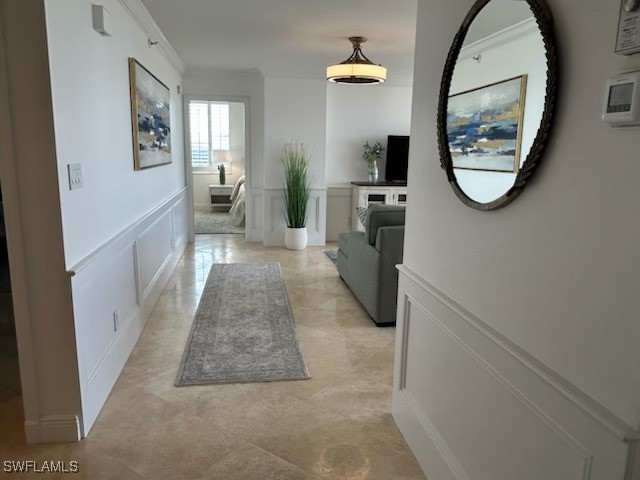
(237, 147)
(90, 88)
(295, 111)
(356, 115)
(201, 182)
(359, 114)
(549, 281)
(518, 55)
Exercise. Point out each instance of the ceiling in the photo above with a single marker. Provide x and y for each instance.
(290, 37)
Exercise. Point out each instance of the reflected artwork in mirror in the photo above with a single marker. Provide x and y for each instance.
(497, 100)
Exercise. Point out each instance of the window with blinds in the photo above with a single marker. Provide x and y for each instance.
(209, 127)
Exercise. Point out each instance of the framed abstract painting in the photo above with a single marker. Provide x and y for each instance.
(484, 126)
(150, 117)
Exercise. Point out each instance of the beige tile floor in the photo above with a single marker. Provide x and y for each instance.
(336, 425)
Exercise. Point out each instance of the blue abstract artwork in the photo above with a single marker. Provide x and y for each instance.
(151, 117)
(484, 126)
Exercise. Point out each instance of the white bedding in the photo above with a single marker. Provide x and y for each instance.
(237, 203)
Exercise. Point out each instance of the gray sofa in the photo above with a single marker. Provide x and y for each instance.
(367, 261)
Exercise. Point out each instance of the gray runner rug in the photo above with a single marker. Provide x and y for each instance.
(243, 330)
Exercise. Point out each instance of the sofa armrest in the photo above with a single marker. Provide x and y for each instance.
(390, 242)
(364, 273)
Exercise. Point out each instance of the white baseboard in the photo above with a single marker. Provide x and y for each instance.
(254, 236)
(53, 429)
(472, 405)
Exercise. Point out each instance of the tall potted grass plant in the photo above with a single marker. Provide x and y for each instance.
(297, 187)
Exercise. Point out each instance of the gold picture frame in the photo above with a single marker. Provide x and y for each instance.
(150, 118)
(486, 135)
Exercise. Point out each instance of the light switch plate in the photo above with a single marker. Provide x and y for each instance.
(75, 175)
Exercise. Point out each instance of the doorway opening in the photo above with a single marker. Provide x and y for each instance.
(217, 151)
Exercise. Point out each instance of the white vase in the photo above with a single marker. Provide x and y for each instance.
(295, 238)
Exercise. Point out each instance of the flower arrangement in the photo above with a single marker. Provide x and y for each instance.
(372, 153)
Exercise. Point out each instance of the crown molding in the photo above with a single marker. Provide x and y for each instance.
(509, 34)
(206, 72)
(142, 17)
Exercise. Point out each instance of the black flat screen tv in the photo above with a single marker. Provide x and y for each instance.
(397, 158)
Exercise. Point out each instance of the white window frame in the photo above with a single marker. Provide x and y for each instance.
(212, 168)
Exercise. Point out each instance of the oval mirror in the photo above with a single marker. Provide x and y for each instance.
(497, 100)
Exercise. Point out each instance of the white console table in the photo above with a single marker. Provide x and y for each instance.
(365, 194)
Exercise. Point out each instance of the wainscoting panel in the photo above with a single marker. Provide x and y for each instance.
(180, 222)
(154, 248)
(105, 303)
(274, 220)
(255, 214)
(472, 405)
(114, 292)
(338, 211)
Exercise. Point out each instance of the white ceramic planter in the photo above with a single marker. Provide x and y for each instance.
(295, 238)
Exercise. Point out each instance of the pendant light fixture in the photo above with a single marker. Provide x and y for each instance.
(357, 69)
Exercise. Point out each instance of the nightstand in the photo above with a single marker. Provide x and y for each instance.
(220, 195)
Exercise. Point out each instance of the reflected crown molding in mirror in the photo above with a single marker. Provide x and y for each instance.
(541, 18)
(511, 33)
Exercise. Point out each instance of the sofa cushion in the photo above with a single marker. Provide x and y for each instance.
(382, 216)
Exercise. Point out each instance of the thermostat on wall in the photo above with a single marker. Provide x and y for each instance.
(622, 100)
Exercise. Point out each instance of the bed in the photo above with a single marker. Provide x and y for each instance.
(238, 195)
